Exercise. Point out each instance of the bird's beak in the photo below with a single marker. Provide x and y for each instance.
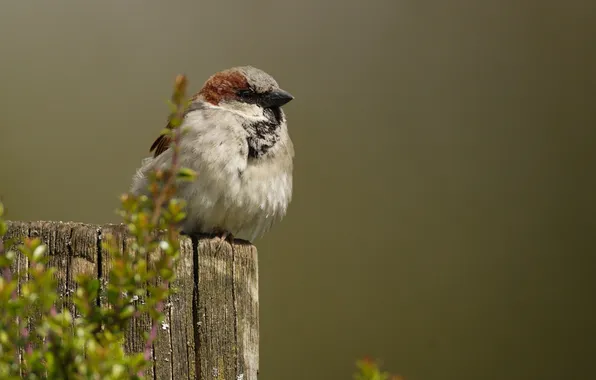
(276, 98)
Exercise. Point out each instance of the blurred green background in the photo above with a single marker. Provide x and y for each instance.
(443, 213)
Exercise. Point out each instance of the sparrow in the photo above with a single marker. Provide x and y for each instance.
(236, 139)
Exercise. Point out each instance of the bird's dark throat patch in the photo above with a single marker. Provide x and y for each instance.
(263, 135)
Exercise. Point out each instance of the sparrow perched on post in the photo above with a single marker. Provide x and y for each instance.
(237, 141)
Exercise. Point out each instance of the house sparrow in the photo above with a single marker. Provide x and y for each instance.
(237, 141)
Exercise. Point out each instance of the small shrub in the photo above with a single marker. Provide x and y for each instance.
(90, 346)
(368, 369)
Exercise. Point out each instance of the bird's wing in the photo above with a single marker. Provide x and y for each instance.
(161, 143)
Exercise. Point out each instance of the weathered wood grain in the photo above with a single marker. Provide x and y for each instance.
(211, 330)
(246, 296)
(181, 305)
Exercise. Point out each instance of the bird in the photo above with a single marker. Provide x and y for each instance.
(236, 139)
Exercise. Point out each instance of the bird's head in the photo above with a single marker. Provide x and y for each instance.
(245, 90)
(251, 94)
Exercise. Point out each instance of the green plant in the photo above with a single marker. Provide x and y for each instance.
(60, 346)
(369, 369)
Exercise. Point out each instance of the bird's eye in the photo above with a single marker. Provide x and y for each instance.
(244, 93)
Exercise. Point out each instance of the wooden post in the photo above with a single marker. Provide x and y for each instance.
(211, 329)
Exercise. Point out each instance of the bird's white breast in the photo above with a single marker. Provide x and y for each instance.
(245, 204)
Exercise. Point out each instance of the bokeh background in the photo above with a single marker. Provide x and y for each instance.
(443, 214)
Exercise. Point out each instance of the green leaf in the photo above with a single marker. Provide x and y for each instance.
(186, 174)
(166, 273)
(3, 226)
(166, 131)
(127, 312)
(179, 217)
(93, 286)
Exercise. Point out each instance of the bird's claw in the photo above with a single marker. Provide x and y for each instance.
(224, 237)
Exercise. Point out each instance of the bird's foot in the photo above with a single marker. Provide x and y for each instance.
(220, 237)
(223, 237)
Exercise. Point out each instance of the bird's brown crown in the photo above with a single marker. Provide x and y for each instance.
(223, 86)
